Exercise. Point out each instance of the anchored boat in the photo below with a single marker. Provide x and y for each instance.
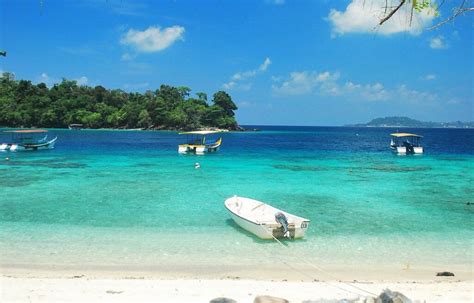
(197, 142)
(406, 143)
(28, 140)
(76, 126)
(265, 221)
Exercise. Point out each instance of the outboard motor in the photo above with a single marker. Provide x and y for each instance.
(281, 218)
(409, 147)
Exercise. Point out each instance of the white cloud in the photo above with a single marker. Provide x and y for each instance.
(368, 92)
(263, 67)
(236, 78)
(82, 80)
(153, 39)
(244, 104)
(305, 82)
(438, 42)
(363, 16)
(412, 95)
(276, 78)
(329, 84)
(49, 81)
(127, 57)
(429, 77)
(454, 101)
(229, 85)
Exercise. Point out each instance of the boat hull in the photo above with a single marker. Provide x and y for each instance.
(199, 150)
(403, 150)
(266, 229)
(28, 147)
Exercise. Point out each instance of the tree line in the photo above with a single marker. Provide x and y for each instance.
(24, 104)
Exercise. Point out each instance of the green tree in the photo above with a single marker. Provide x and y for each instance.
(24, 104)
(144, 120)
(202, 96)
(223, 100)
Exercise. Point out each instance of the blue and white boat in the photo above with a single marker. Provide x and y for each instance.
(28, 140)
(197, 142)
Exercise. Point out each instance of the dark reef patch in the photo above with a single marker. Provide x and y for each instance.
(18, 181)
(300, 167)
(398, 169)
(43, 163)
(454, 159)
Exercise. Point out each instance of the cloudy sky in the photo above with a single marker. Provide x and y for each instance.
(284, 62)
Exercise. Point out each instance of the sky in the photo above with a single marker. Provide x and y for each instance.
(283, 62)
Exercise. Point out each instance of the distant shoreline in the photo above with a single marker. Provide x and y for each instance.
(245, 128)
(407, 126)
(406, 122)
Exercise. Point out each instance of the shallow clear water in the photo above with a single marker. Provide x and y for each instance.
(127, 198)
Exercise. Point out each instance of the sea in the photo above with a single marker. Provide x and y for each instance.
(111, 200)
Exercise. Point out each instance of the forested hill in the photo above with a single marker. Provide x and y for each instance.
(23, 104)
(408, 122)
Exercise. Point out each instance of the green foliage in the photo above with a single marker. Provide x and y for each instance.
(223, 100)
(425, 5)
(23, 104)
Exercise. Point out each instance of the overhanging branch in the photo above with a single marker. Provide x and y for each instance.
(452, 17)
(392, 12)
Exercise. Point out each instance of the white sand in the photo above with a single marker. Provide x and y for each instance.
(84, 289)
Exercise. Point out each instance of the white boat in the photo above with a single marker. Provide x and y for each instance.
(28, 140)
(197, 143)
(75, 126)
(406, 143)
(265, 221)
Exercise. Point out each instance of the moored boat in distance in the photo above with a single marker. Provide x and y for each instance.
(197, 142)
(76, 126)
(406, 143)
(265, 221)
(28, 140)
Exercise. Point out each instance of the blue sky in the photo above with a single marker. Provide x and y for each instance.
(283, 62)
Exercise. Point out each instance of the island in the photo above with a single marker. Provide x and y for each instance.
(409, 122)
(24, 104)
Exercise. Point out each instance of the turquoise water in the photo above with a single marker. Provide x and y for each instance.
(124, 199)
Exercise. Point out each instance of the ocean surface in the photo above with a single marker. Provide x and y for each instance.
(127, 200)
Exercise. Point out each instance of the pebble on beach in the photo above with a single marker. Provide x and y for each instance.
(222, 300)
(445, 274)
(269, 299)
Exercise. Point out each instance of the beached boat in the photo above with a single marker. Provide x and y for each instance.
(197, 142)
(28, 140)
(265, 221)
(406, 143)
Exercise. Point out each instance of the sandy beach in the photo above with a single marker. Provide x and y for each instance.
(56, 284)
(84, 289)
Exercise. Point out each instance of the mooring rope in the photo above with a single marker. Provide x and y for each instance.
(319, 269)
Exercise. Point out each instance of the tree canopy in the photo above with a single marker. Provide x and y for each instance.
(24, 104)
